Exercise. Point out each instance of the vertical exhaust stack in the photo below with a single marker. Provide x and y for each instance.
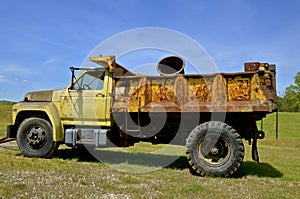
(171, 65)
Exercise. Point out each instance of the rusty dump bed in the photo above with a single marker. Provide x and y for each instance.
(251, 91)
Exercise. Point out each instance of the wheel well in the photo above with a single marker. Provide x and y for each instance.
(27, 114)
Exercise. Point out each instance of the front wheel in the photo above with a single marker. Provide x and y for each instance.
(214, 149)
(35, 139)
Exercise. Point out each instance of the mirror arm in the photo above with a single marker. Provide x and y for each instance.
(73, 77)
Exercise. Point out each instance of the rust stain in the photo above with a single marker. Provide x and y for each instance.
(181, 90)
(200, 89)
(239, 92)
(142, 92)
(219, 95)
(133, 96)
(257, 93)
(238, 88)
(162, 90)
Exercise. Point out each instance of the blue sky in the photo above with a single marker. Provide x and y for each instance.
(40, 40)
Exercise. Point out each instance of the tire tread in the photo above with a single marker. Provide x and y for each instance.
(192, 141)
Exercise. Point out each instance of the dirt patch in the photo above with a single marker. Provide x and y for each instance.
(9, 145)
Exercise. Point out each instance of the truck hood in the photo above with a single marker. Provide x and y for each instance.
(39, 96)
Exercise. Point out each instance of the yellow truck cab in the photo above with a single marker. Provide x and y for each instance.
(43, 116)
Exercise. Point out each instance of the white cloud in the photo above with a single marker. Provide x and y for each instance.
(50, 60)
(3, 78)
(19, 70)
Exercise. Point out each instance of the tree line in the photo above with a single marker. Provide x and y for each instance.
(290, 102)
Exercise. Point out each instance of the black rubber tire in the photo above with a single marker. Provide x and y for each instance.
(214, 149)
(35, 138)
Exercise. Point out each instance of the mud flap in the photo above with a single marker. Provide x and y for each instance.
(254, 144)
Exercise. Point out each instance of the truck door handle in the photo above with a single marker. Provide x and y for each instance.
(100, 95)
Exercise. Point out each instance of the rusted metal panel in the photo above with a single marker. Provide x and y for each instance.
(223, 92)
(181, 90)
(251, 66)
(238, 88)
(163, 107)
(200, 89)
(219, 90)
(113, 67)
(162, 90)
(133, 102)
(257, 94)
(234, 106)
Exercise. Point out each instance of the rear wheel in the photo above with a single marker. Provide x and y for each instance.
(214, 149)
(35, 138)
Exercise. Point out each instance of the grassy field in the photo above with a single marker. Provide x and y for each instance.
(76, 174)
(5, 116)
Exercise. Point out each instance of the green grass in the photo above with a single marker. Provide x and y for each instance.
(288, 134)
(5, 116)
(76, 174)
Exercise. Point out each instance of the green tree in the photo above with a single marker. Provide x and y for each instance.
(291, 100)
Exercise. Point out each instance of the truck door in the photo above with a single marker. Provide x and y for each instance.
(88, 103)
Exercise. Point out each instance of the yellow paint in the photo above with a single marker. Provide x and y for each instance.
(49, 108)
(162, 90)
(200, 89)
(238, 88)
(257, 95)
(71, 107)
(106, 61)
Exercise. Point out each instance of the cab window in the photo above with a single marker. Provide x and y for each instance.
(91, 80)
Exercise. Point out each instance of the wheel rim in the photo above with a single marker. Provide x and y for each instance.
(35, 137)
(214, 153)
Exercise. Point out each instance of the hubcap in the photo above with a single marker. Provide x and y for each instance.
(214, 150)
(36, 136)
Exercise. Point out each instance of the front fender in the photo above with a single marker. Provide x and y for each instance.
(24, 110)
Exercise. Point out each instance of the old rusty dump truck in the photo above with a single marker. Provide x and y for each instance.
(109, 105)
